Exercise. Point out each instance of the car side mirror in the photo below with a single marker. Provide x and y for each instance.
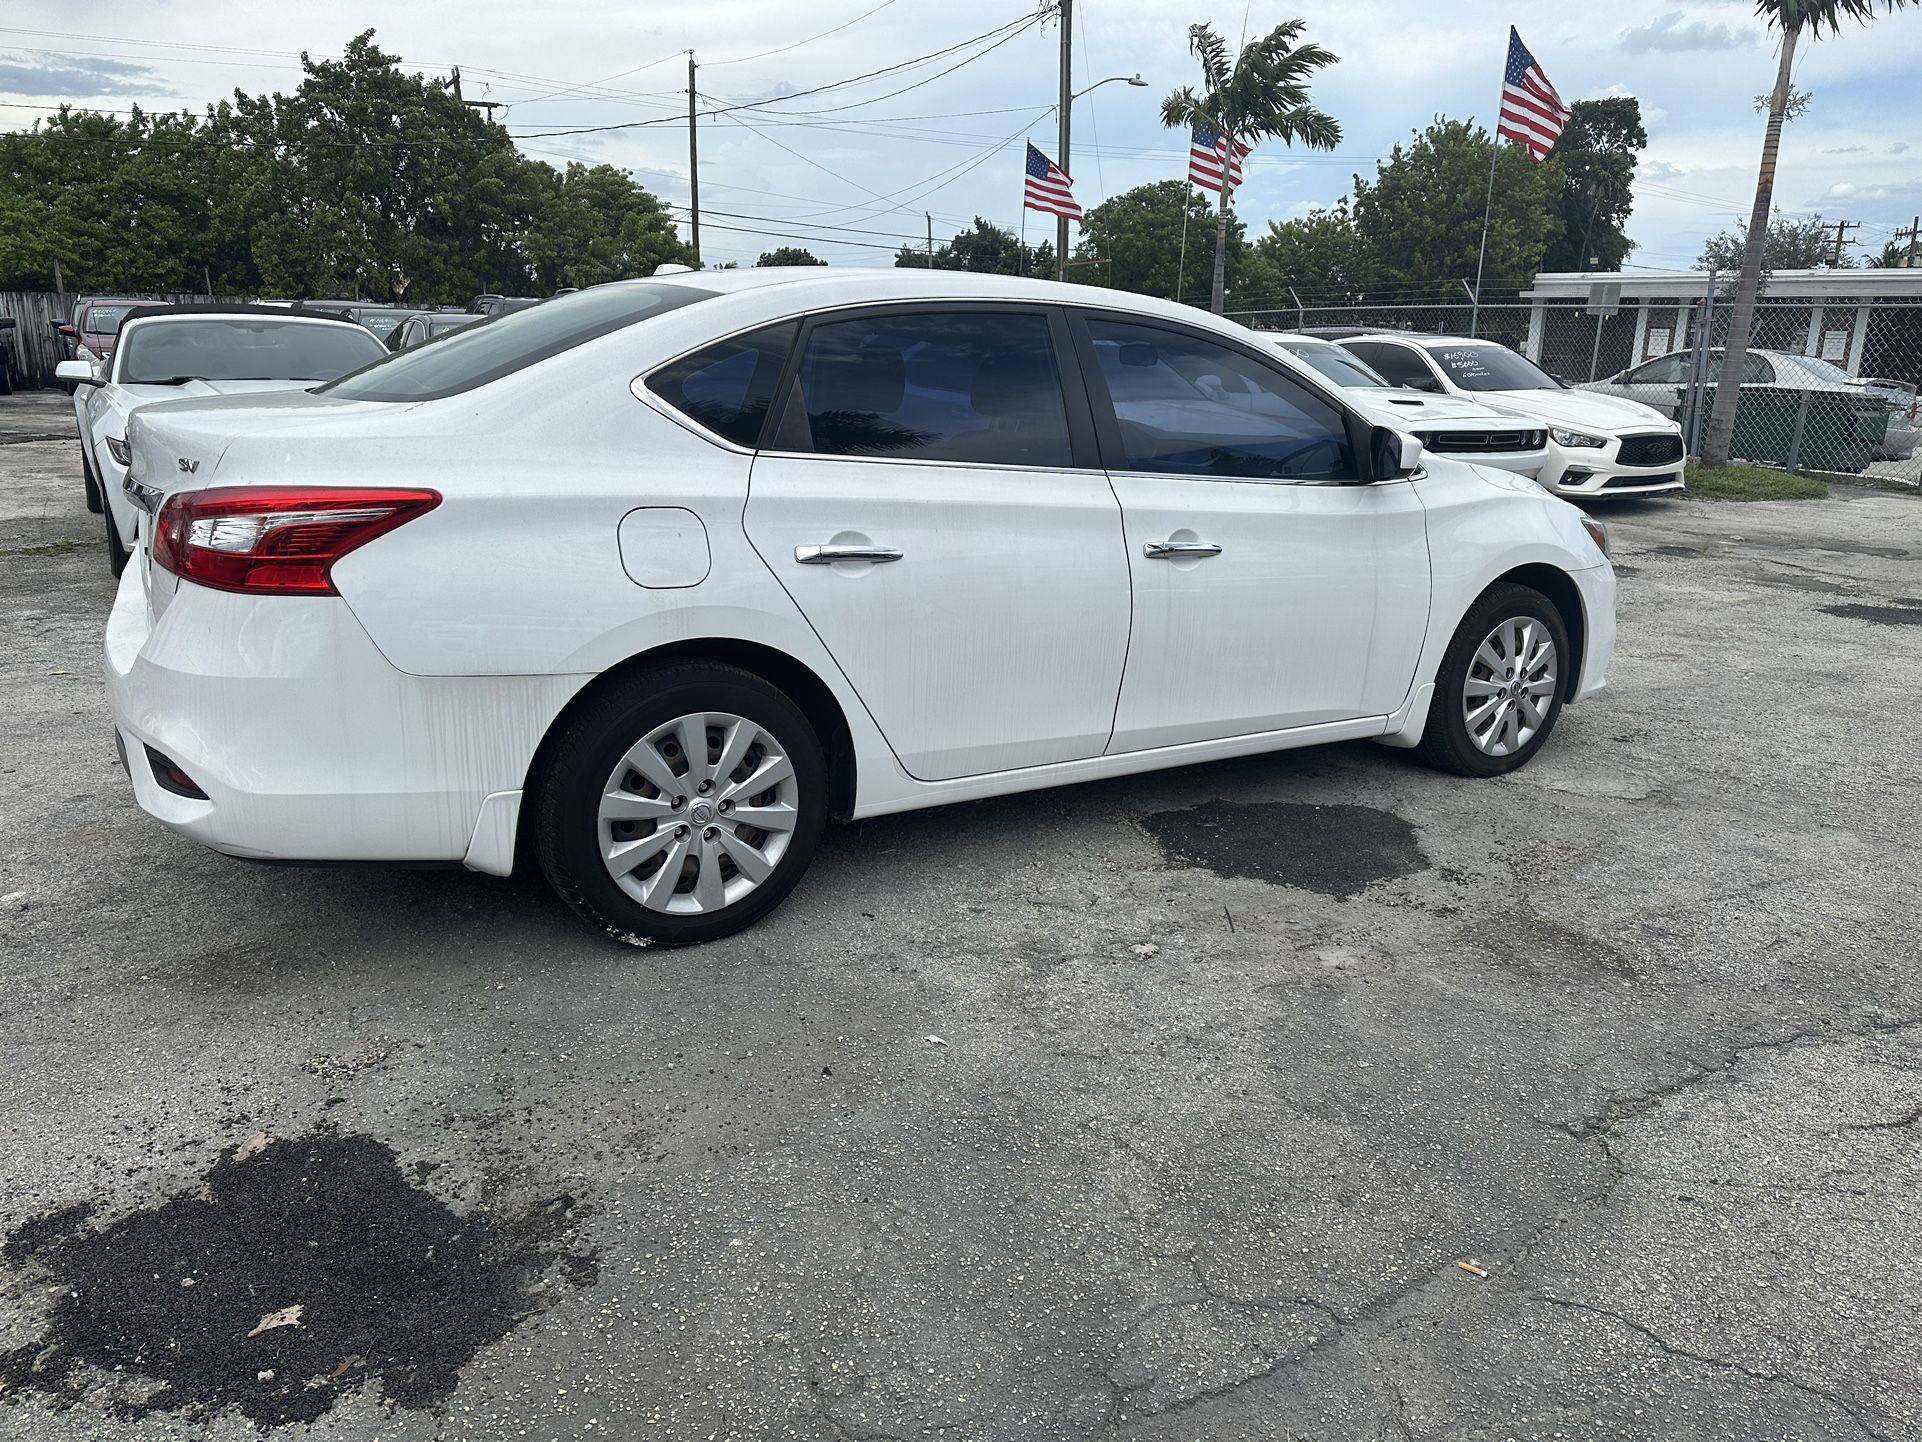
(76, 372)
(1392, 454)
(1425, 383)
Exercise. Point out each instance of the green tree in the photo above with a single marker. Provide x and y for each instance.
(1420, 221)
(1792, 18)
(983, 246)
(1263, 95)
(1597, 150)
(1134, 241)
(1319, 256)
(789, 255)
(595, 225)
(1789, 245)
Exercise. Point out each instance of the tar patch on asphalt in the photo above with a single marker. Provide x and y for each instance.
(1337, 851)
(1877, 615)
(173, 1309)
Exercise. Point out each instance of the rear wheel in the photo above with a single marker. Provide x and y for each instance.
(1499, 690)
(94, 501)
(681, 806)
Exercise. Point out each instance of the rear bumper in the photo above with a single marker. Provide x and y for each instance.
(308, 744)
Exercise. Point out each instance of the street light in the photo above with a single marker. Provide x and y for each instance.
(1068, 98)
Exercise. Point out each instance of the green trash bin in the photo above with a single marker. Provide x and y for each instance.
(1839, 431)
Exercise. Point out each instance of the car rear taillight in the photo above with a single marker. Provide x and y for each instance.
(276, 540)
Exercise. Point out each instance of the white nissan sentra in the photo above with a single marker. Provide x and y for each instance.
(650, 583)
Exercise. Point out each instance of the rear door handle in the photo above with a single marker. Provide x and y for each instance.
(1177, 550)
(828, 555)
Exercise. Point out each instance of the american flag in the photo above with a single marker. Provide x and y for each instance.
(1531, 110)
(1049, 188)
(1208, 148)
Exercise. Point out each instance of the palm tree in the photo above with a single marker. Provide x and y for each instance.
(1791, 17)
(1263, 96)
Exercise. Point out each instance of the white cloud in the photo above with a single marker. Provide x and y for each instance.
(1675, 32)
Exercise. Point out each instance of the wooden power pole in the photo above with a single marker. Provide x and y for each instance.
(693, 169)
(1066, 106)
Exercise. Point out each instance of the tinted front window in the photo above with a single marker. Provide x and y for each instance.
(503, 344)
(1399, 365)
(242, 348)
(1491, 368)
(1668, 371)
(1191, 406)
(977, 386)
(728, 387)
(1335, 363)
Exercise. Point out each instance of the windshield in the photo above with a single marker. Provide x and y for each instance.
(103, 319)
(1335, 363)
(383, 323)
(1491, 368)
(166, 351)
(502, 344)
(440, 325)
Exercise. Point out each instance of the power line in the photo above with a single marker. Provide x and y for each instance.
(782, 50)
(1012, 27)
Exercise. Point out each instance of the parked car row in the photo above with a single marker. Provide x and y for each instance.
(1584, 444)
(650, 582)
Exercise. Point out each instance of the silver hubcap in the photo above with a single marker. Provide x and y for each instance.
(1510, 686)
(698, 813)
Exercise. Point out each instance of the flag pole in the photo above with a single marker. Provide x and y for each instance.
(1181, 266)
(1475, 306)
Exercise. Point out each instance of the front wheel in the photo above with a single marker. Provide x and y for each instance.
(682, 805)
(1499, 690)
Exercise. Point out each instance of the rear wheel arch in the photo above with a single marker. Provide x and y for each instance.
(1566, 597)
(799, 681)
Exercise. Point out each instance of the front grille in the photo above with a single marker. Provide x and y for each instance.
(1614, 482)
(1479, 442)
(1663, 449)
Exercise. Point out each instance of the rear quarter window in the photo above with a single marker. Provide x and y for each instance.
(508, 342)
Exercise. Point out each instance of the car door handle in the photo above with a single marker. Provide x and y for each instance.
(828, 555)
(1177, 550)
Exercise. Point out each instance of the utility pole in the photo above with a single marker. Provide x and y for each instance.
(1914, 233)
(490, 106)
(693, 167)
(930, 215)
(457, 94)
(1842, 229)
(1066, 107)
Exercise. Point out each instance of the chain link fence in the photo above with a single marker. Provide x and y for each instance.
(1828, 385)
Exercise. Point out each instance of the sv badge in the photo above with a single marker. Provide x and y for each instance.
(189, 466)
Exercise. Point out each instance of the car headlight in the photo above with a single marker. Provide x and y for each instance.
(120, 450)
(1580, 439)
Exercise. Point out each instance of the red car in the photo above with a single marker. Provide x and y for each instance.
(96, 320)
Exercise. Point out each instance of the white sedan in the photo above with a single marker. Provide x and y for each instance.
(652, 581)
(170, 353)
(1597, 445)
(1445, 425)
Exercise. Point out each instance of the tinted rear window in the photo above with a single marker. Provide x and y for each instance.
(503, 344)
(242, 348)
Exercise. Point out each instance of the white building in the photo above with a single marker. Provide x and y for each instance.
(1869, 322)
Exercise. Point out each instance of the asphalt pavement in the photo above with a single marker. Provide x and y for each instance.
(1312, 1096)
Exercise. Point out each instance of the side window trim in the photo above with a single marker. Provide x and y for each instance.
(1074, 392)
(1101, 403)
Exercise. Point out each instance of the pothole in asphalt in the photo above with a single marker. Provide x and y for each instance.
(284, 1281)
(1337, 851)
(1691, 552)
(1877, 615)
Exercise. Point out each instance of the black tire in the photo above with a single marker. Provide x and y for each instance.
(117, 553)
(567, 796)
(94, 501)
(1446, 743)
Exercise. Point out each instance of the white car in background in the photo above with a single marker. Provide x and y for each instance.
(1597, 444)
(1445, 425)
(171, 353)
(655, 579)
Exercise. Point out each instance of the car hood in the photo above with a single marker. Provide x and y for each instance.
(1418, 408)
(1579, 409)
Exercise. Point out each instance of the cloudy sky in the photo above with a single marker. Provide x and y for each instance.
(850, 170)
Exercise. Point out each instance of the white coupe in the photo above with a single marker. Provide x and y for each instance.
(652, 581)
(169, 353)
